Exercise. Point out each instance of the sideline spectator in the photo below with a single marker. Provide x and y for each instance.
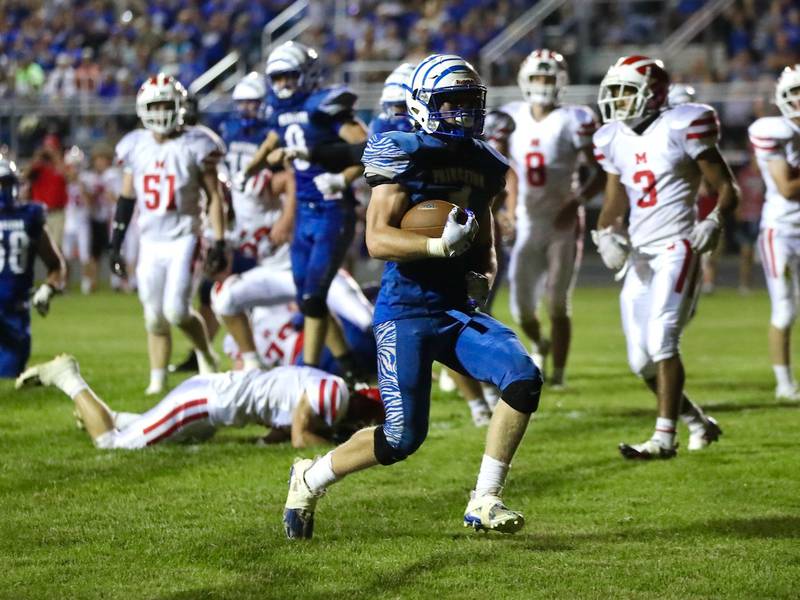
(48, 185)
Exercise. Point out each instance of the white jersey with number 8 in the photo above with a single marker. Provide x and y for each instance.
(545, 154)
(166, 178)
(658, 169)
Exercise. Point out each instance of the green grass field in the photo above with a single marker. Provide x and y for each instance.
(205, 521)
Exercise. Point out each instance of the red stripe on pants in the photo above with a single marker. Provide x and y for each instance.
(334, 392)
(322, 398)
(770, 238)
(177, 426)
(175, 411)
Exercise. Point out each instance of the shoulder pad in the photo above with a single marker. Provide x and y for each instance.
(514, 108)
(387, 155)
(686, 115)
(206, 141)
(126, 145)
(333, 101)
(583, 115)
(603, 136)
(500, 160)
(771, 127)
(498, 125)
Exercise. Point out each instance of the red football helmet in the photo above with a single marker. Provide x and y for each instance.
(633, 86)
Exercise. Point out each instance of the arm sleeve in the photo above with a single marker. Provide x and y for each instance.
(384, 160)
(337, 156)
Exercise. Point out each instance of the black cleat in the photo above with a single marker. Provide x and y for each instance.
(189, 365)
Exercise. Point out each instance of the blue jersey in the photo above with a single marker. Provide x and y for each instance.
(469, 173)
(306, 121)
(20, 229)
(242, 138)
(384, 122)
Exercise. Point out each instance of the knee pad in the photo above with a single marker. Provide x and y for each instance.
(155, 323)
(176, 315)
(523, 394)
(314, 307)
(388, 454)
(783, 314)
(642, 365)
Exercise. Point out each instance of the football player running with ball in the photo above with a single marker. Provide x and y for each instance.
(655, 157)
(545, 147)
(423, 312)
(166, 165)
(776, 141)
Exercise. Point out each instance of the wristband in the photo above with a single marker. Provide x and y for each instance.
(436, 248)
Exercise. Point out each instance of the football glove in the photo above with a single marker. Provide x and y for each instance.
(117, 263)
(296, 153)
(330, 185)
(477, 289)
(215, 259)
(41, 299)
(705, 234)
(613, 247)
(456, 238)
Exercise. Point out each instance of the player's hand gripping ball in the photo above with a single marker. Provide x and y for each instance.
(451, 229)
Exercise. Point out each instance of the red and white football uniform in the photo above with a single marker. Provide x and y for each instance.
(200, 405)
(778, 139)
(77, 232)
(545, 156)
(277, 340)
(661, 177)
(166, 179)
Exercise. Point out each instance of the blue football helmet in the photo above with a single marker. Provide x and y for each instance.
(447, 79)
(9, 183)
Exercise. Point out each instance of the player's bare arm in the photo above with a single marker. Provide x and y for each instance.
(216, 206)
(719, 177)
(786, 179)
(385, 239)
(615, 203)
(591, 187)
(283, 186)
(259, 160)
(353, 132)
(53, 260)
(306, 426)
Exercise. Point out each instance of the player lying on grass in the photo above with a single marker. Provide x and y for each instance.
(301, 404)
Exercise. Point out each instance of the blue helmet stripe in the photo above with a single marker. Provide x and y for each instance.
(450, 58)
(447, 71)
(418, 70)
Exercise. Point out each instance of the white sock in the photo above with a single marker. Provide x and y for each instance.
(491, 477)
(693, 418)
(206, 362)
(158, 377)
(783, 375)
(250, 361)
(320, 475)
(72, 384)
(86, 285)
(665, 432)
(557, 376)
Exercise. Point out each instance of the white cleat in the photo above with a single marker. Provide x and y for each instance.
(787, 392)
(49, 373)
(646, 450)
(488, 513)
(701, 439)
(539, 355)
(298, 512)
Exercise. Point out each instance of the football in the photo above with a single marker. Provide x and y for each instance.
(429, 217)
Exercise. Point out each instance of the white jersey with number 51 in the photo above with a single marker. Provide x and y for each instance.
(545, 154)
(166, 178)
(658, 169)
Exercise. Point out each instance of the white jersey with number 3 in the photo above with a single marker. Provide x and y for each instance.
(658, 169)
(545, 154)
(167, 176)
(777, 138)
